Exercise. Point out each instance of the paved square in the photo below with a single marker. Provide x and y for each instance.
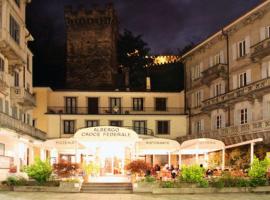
(84, 196)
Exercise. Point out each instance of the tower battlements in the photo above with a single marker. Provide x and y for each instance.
(84, 16)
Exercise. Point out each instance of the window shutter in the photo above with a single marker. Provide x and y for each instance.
(222, 87)
(201, 69)
(264, 69)
(263, 33)
(212, 90)
(213, 121)
(211, 61)
(223, 123)
(201, 91)
(248, 76)
(202, 125)
(192, 100)
(192, 73)
(235, 82)
(192, 128)
(237, 117)
(249, 115)
(234, 51)
(221, 56)
(247, 40)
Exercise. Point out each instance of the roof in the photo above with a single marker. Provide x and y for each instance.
(226, 27)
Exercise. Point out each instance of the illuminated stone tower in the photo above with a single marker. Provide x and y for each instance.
(91, 48)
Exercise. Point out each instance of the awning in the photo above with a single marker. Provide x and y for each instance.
(201, 146)
(157, 146)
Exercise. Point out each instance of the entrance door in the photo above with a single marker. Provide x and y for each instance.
(92, 105)
(108, 165)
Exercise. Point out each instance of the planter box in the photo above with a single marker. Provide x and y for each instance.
(210, 190)
(143, 187)
(67, 187)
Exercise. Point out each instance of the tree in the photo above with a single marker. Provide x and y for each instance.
(133, 54)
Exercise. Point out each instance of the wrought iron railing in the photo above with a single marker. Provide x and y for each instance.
(114, 111)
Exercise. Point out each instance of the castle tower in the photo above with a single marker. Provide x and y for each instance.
(91, 48)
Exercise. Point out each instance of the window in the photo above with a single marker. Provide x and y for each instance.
(16, 79)
(265, 70)
(69, 126)
(197, 98)
(28, 119)
(243, 79)
(34, 122)
(196, 71)
(116, 123)
(14, 30)
(160, 104)
(2, 65)
(243, 116)
(2, 149)
(17, 2)
(20, 114)
(163, 127)
(242, 48)
(140, 127)
(1, 105)
(92, 123)
(115, 105)
(218, 121)
(14, 111)
(198, 126)
(138, 104)
(7, 107)
(71, 105)
(217, 89)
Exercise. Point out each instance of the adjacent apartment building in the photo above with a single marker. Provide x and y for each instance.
(227, 81)
(19, 140)
(61, 113)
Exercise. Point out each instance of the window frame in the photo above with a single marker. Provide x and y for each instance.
(159, 107)
(162, 132)
(120, 121)
(241, 48)
(242, 79)
(68, 129)
(14, 29)
(140, 104)
(73, 107)
(87, 123)
(243, 116)
(142, 129)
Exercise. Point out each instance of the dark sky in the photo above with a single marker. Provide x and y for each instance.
(166, 25)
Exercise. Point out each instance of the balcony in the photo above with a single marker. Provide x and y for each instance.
(8, 122)
(236, 134)
(3, 83)
(12, 50)
(214, 72)
(260, 50)
(245, 93)
(22, 96)
(113, 111)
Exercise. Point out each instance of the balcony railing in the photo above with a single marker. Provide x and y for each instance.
(235, 95)
(22, 96)
(12, 50)
(246, 130)
(114, 111)
(261, 49)
(8, 122)
(218, 70)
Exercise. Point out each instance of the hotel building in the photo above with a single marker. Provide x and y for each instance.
(227, 81)
(61, 113)
(19, 140)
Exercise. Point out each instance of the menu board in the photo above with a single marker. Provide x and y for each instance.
(5, 162)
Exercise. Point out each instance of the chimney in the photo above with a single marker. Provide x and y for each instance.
(148, 83)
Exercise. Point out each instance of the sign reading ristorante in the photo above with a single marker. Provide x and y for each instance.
(108, 133)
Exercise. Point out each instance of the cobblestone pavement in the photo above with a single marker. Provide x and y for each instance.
(84, 196)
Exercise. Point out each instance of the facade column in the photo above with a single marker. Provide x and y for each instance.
(223, 159)
(251, 152)
(169, 157)
(180, 160)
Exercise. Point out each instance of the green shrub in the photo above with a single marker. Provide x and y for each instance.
(226, 180)
(192, 174)
(167, 184)
(72, 180)
(15, 181)
(149, 179)
(217, 183)
(259, 168)
(203, 183)
(40, 171)
(254, 182)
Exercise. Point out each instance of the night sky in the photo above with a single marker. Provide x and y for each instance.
(166, 25)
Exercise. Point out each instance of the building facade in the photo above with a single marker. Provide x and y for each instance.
(62, 113)
(19, 140)
(227, 81)
(91, 48)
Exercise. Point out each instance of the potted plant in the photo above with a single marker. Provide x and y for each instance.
(137, 168)
(90, 169)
